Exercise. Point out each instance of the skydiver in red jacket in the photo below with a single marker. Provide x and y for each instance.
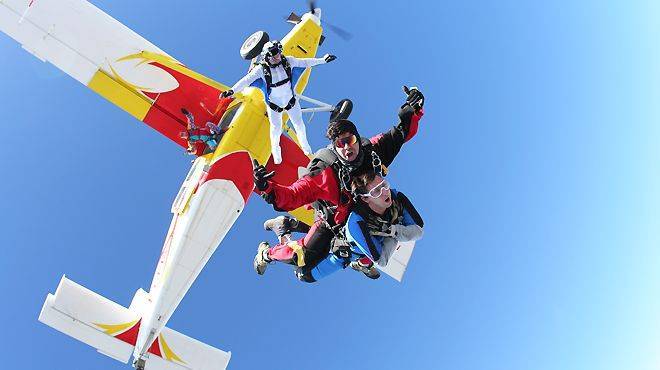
(326, 187)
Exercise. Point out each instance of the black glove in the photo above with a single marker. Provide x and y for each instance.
(261, 176)
(415, 98)
(406, 113)
(227, 93)
(329, 58)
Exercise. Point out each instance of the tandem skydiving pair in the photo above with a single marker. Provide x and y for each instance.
(359, 219)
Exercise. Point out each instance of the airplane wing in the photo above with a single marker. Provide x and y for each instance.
(112, 60)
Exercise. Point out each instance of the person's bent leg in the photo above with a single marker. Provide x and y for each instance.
(289, 252)
(317, 243)
(326, 267)
(308, 251)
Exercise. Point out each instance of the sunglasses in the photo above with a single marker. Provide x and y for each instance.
(350, 140)
(378, 190)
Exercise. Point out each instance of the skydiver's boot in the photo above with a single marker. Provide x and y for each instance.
(367, 268)
(283, 226)
(261, 260)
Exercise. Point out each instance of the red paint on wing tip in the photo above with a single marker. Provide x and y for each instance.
(235, 167)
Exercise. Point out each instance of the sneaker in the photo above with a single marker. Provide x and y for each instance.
(261, 260)
(369, 270)
(281, 225)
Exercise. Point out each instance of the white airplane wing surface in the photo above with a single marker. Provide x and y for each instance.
(111, 60)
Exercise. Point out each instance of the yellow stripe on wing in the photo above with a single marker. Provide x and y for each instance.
(114, 329)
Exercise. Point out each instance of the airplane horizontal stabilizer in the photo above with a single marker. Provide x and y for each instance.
(113, 329)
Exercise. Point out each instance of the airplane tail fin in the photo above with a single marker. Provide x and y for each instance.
(112, 329)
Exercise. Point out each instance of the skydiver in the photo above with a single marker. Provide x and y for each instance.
(277, 76)
(201, 140)
(381, 218)
(327, 186)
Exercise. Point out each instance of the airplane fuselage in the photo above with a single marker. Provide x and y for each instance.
(222, 183)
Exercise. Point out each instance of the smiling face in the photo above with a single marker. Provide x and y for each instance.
(347, 146)
(378, 195)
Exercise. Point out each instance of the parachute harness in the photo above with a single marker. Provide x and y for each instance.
(345, 171)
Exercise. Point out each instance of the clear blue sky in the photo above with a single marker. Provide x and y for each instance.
(536, 170)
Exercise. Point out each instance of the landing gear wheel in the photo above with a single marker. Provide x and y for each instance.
(254, 44)
(342, 110)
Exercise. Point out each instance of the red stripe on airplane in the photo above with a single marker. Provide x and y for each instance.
(286, 173)
(130, 335)
(155, 348)
(235, 167)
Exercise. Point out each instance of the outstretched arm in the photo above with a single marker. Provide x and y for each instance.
(388, 144)
(254, 74)
(306, 190)
(309, 62)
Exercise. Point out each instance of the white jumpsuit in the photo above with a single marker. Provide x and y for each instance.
(280, 96)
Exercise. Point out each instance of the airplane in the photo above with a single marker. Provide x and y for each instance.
(152, 86)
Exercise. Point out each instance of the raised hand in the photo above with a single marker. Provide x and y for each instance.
(261, 176)
(414, 98)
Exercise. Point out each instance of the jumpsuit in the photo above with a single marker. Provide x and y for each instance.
(281, 96)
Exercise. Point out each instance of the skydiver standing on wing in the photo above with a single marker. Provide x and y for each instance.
(327, 186)
(277, 76)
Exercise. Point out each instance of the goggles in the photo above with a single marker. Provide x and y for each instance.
(378, 190)
(350, 140)
(274, 50)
